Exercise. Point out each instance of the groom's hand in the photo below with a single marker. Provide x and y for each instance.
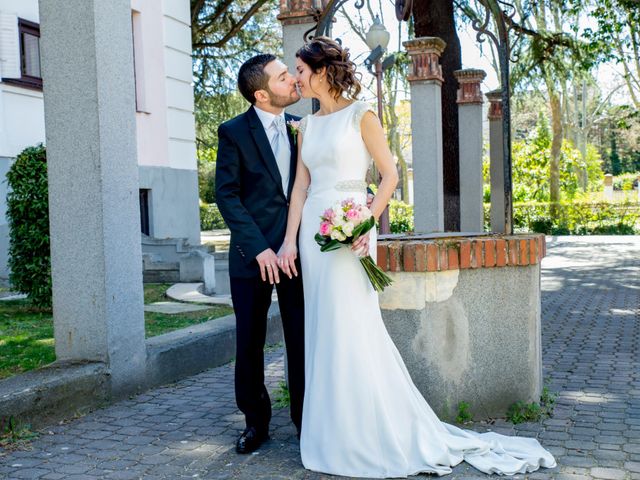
(268, 262)
(369, 198)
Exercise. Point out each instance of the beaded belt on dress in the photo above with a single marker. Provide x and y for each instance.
(347, 186)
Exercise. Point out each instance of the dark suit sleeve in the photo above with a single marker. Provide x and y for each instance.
(246, 232)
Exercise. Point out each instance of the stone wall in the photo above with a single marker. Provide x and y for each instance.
(465, 314)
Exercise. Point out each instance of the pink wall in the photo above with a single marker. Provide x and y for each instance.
(151, 122)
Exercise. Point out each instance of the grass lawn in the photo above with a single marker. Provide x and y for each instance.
(26, 334)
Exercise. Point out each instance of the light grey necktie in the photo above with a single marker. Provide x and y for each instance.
(281, 150)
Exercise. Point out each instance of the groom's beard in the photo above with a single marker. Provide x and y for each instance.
(280, 101)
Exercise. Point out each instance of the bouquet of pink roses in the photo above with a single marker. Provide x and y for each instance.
(341, 225)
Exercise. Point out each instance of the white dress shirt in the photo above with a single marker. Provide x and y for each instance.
(283, 158)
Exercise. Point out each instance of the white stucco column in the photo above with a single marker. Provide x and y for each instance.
(470, 120)
(87, 64)
(426, 131)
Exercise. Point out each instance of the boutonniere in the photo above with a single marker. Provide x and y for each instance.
(294, 128)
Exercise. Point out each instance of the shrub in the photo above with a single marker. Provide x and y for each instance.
(28, 215)
(400, 217)
(626, 181)
(210, 217)
(207, 175)
(576, 218)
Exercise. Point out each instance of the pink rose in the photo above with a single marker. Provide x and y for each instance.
(325, 229)
(353, 214)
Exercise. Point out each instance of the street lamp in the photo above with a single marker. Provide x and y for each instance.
(377, 40)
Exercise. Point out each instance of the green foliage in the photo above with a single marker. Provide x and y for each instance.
(28, 215)
(464, 415)
(159, 323)
(520, 412)
(210, 217)
(26, 337)
(400, 217)
(531, 159)
(576, 218)
(626, 181)
(614, 158)
(207, 175)
(224, 35)
(15, 435)
(282, 397)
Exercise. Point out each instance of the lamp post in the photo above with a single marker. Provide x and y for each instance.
(377, 40)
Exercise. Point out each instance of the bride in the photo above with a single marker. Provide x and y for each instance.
(362, 414)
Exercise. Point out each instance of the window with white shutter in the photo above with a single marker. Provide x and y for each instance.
(30, 75)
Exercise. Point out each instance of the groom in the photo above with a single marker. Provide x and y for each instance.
(255, 170)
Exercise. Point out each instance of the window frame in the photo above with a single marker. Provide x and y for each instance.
(27, 81)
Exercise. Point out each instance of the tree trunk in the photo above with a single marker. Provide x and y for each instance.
(435, 18)
(556, 142)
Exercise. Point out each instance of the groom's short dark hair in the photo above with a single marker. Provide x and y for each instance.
(252, 76)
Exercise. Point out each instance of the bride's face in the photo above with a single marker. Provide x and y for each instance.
(310, 84)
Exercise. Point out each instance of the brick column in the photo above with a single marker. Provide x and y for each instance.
(296, 17)
(426, 125)
(470, 120)
(496, 154)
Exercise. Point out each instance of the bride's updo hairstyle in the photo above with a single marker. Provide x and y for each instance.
(341, 71)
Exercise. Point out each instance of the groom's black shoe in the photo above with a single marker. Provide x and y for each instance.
(250, 440)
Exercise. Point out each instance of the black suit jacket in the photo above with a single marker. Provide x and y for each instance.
(249, 191)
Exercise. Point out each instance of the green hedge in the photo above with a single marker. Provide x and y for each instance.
(400, 217)
(575, 218)
(28, 215)
(210, 217)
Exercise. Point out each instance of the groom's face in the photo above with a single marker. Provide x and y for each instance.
(281, 90)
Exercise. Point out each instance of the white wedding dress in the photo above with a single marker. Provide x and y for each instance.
(362, 415)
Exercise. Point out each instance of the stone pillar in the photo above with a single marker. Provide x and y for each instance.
(296, 17)
(93, 186)
(608, 187)
(470, 121)
(426, 126)
(410, 184)
(496, 155)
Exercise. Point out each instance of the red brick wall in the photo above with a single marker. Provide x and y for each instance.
(406, 255)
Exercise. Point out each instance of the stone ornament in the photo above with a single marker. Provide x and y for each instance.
(495, 105)
(469, 91)
(425, 54)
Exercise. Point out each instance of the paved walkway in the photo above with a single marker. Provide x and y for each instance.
(591, 342)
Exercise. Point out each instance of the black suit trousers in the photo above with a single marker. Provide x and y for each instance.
(251, 300)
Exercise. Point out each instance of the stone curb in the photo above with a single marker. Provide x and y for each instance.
(53, 392)
(60, 390)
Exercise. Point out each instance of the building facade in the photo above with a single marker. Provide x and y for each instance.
(165, 126)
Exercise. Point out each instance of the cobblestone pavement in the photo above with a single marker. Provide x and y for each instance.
(591, 338)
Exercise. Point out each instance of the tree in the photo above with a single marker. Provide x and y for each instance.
(555, 56)
(435, 18)
(617, 38)
(224, 34)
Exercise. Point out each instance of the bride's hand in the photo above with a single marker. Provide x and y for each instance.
(361, 245)
(287, 259)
